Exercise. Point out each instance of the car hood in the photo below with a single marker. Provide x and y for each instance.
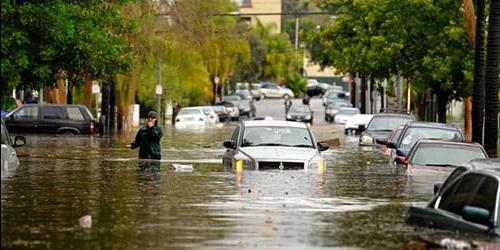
(279, 153)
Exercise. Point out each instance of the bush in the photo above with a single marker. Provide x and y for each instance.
(297, 84)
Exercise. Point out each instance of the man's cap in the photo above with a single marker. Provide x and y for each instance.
(152, 114)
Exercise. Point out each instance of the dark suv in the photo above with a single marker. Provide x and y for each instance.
(51, 119)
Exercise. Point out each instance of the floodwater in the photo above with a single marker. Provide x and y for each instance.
(358, 202)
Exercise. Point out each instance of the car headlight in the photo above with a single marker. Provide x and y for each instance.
(288, 117)
(240, 164)
(317, 164)
(365, 139)
(308, 117)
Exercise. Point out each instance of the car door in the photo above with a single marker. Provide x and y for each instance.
(23, 120)
(9, 155)
(52, 118)
(230, 152)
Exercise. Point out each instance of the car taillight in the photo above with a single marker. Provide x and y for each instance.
(92, 127)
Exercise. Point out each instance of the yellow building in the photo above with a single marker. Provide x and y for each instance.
(266, 11)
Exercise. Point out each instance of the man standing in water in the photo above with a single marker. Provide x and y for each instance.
(148, 139)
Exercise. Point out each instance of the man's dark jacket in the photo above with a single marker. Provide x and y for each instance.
(148, 141)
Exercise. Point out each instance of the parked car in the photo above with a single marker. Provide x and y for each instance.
(334, 94)
(413, 131)
(466, 202)
(191, 117)
(333, 107)
(273, 145)
(244, 94)
(313, 88)
(246, 106)
(51, 119)
(255, 91)
(381, 125)
(434, 157)
(9, 154)
(300, 113)
(210, 115)
(269, 89)
(232, 108)
(222, 112)
(391, 138)
(352, 125)
(345, 113)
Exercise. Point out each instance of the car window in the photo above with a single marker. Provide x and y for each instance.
(190, 112)
(74, 113)
(275, 135)
(395, 136)
(5, 137)
(486, 195)
(52, 113)
(412, 135)
(439, 154)
(459, 195)
(387, 122)
(456, 173)
(234, 137)
(26, 113)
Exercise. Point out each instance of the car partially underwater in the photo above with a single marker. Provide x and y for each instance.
(273, 145)
(468, 201)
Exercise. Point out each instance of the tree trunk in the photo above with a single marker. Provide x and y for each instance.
(363, 94)
(87, 90)
(353, 90)
(112, 106)
(492, 81)
(479, 67)
(467, 118)
(442, 101)
(69, 98)
(105, 107)
(55, 94)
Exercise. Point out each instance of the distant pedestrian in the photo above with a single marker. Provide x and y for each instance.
(175, 110)
(288, 103)
(148, 139)
(306, 99)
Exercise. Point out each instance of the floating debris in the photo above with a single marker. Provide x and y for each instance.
(182, 168)
(86, 221)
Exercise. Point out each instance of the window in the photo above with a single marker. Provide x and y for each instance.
(26, 113)
(445, 154)
(52, 113)
(459, 195)
(75, 114)
(486, 195)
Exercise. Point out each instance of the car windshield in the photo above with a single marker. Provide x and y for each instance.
(190, 112)
(348, 111)
(277, 136)
(412, 135)
(387, 123)
(441, 154)
(300, 109)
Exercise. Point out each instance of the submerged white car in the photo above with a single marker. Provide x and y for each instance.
(273, 145)
(191, 117)
(352, 124)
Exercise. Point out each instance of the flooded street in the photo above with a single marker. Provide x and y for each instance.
(358, 202)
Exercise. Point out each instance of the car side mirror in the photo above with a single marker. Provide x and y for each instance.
(391, 145)
(437, 186)
(361, 127)
(19, 141)
(229, 144)
(323, 146)
(381, 141)
(477, 215)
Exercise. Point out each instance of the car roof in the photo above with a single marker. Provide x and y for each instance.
(260, 123)
(422, 124)
(393, 114)
(448, 142)
(51, 104)
(349, 108)
(489, 163)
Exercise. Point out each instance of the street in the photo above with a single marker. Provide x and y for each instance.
(359, 201)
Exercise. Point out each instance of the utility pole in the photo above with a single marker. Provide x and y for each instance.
(159, 90)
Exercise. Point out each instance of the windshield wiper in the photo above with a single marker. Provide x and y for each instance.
(302, 146)
(273, 144)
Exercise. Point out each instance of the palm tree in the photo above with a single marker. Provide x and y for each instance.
(492, 80)
(479, 65)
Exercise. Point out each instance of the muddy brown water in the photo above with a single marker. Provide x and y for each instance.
(358, 202)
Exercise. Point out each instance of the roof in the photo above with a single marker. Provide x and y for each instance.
(491, 163)
(261, 123)
(448, 142)
(394, 114)
(422, 124)
(52, 104)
